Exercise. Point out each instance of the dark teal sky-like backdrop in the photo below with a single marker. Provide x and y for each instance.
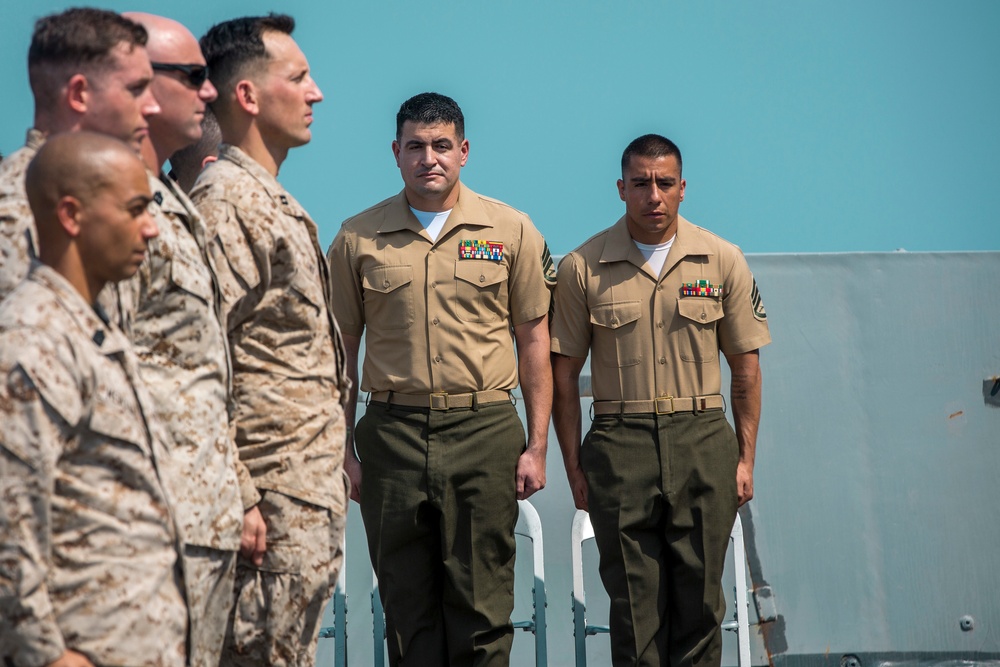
(805, 126)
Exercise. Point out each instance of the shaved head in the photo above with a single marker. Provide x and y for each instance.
(180, 85)
(165, 36)
(74, 164)
(89, 195)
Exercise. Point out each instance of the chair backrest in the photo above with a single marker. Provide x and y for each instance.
(530, 526)
(583, 530)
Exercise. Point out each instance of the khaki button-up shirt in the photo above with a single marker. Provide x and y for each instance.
(439, 314)
(289, 376)
(184, 360)
(88, 547)
(646, 337)
(18, 237)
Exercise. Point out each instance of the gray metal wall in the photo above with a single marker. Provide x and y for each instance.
(873, 537)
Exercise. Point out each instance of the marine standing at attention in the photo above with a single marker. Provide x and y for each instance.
(289, 381)
(183, 356)
(89, 563)
(447, 283)
(653, 299)
(88, 70)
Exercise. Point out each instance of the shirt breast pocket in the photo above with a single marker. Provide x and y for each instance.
(305, 281)
(388, 295)
(616, 335)
(192, 278)
(697, 339)
(481, 290)
(116, 414)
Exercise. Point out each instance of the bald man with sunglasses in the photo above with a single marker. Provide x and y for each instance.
(183, 356)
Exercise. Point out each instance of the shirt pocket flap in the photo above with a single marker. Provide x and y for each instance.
(480, 273)
(700, 309)
(615, 315)
(23, 419)
(191, 278)
(116, 414)
(385, 279)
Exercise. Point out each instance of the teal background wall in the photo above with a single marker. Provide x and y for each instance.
(806, 127)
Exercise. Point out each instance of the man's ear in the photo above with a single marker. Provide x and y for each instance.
(77, 93)
(69, 210)
(246, 97)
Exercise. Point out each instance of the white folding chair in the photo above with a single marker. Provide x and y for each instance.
(338, 631)
(583, 531)
(378, 625)
(530, 526)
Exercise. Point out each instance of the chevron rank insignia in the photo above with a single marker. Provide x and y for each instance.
(757, 303)
(548, 268)
(478, 249)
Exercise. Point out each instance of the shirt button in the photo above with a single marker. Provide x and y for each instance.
(703, 316)
(434, 285)
(482, 279)
(663, 360)
(614, 321)
(385, 284)
(437, 359)
(659, 288)
(659, 325)
(435, 321)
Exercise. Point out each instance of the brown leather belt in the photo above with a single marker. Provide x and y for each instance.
(441, 400)
(664, 405)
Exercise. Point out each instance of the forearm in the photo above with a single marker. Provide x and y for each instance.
(745, 397)
(536, 380)
(352, 346)
(566, 412)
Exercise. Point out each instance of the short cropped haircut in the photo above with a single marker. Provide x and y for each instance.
(651, 145)
(74, 41)
(431, 109)
(234, 47)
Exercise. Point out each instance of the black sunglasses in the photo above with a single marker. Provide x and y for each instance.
(195, 74)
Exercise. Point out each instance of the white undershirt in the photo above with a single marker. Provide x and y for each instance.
(433, 221)
(655, 255)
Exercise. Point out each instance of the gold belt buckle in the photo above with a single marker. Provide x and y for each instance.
(656, 405)
(439, 400)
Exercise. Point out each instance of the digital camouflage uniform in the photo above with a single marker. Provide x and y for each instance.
(288, 383)
(18, 238)
(18, 241)
(88, 545)
(184, 361)
(660, 458)
(439, 495)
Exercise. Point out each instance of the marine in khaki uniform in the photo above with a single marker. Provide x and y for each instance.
(447, 284)
(289, 376)
(88, 70)
(89, 571)
(653, 299)
(184, 358)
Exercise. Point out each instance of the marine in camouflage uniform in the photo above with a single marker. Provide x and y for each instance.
(17, 227)
(88, 544)
(184, 361)
(18, 240)
(289, 384)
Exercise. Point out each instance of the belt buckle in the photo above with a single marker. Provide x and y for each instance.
(438, 400)
(656, 405)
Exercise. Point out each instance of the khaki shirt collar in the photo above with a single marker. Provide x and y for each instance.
(108, 339)
(620, 247)
(468, 212)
